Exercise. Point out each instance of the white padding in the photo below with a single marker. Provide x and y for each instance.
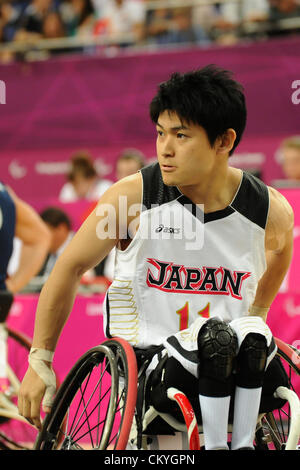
(188, 340)
(250, 324)
(294, 427)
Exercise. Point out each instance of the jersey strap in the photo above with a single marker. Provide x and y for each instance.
(155, 192)
(252, 200)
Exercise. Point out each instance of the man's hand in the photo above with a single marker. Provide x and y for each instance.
(31, 393)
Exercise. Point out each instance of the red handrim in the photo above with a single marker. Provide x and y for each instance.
(189, 417)
(290, 353)
(131, 393)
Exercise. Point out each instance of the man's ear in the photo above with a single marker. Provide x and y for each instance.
(226, 141)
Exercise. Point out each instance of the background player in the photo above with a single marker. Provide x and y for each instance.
(18, 219)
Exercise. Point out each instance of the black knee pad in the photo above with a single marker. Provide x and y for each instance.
(251, 361)
(217, 348)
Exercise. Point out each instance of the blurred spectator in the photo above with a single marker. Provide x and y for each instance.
(61, 232)
(31, 24)
(250, 10)
(78, 16)
(204, 16)
(98, 6)
(281, 10)
(184, 30)
(129, 162)
(227, 18)
(10, 15)
(173, 26)
(83, 180)
(290, 155)
(120, 17)
(158, 25)
(53, 26)
(55, 19)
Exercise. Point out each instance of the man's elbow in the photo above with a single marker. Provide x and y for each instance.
(42, 238)
(69, 269)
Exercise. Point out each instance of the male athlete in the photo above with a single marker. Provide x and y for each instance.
(18, 219)
(202, 251)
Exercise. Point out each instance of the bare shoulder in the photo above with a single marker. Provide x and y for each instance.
(280, 220)
(129, 188)
(122, 203)
(280, 211)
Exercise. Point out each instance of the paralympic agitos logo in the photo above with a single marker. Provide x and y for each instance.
(170, 277)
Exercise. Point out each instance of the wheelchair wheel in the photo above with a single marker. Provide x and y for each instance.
(280, 428)
(14, 433)
(94, 407)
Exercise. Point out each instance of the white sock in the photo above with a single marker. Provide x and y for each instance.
(246, 408)
(214, 411)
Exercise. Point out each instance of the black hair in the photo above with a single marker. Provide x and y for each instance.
(54, 216)
(208, 97)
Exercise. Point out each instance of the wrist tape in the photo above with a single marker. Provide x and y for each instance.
(36, 360)
(253, 310)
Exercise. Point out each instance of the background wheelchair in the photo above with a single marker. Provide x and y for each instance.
(15, 431)
(102, 404)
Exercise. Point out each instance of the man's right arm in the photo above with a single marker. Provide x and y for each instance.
(35, 237)
(86, 250)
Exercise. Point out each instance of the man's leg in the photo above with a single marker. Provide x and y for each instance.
(207, 350)
(217, 347)
(256, 349)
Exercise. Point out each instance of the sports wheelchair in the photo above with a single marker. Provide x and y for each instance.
(105, 403)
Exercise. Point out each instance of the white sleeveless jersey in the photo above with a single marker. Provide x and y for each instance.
(183, 264)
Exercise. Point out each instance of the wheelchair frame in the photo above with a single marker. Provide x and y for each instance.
(121, 367)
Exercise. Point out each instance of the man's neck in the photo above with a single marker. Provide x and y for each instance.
(216, 191)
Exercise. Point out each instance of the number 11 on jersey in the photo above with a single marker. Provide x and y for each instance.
(183, 313)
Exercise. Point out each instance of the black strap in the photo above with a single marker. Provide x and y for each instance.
(6, 300)
(144, 357)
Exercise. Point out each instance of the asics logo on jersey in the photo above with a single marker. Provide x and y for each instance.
(170, 277)
(162, 228)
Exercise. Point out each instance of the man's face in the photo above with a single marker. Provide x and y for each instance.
(126, 168)
(291, 163)
(184, 152)
(59, 235)
(82, 185)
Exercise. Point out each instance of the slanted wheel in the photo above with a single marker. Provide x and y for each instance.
(15, 432)
(94, 407)
(281, 428)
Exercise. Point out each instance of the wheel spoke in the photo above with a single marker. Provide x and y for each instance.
(92, 394)
(88, 415)
(78, 406)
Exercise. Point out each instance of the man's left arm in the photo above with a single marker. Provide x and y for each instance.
(279, 250)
